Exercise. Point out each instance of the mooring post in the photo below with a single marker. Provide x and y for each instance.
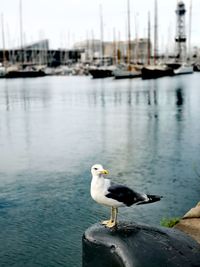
(135, 245)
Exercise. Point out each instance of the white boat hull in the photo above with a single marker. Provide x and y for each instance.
(121, 74)
(184, 69)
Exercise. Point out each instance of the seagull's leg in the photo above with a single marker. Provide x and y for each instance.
(113, 222)
(116, 213)
(111, 217)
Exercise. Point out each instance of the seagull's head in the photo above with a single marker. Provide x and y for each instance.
(98, 170)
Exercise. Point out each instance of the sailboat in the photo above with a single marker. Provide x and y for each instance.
(24, 70)
(2, 66)
(102, 71)
(121, 73)
(184, 69)
(155, 71)
(127, 71)
(2, 71)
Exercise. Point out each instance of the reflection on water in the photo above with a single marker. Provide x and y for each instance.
(179, 95)
(179, 103)
(53, 129)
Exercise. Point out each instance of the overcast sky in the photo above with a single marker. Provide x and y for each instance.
(64, 22)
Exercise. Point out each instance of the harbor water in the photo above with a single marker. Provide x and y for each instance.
(53, 129)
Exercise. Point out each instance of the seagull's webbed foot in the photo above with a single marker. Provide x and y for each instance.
(113, 220)
(111, 224)
(105, 222)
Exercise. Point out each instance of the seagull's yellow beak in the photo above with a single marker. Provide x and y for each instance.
(104, 172)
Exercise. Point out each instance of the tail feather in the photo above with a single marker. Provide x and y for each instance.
(150, 199)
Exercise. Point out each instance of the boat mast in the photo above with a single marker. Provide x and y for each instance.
(190, 28)
(149, 41)
(102, 37)
(129, 34)
(136, 38)
(114, 48)
(119, 50)
(3, 39)
(92, 47)
(21, 29)
(155, 32)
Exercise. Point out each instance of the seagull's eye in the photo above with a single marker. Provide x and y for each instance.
(95, 169)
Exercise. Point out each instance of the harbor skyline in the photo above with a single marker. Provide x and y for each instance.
(65, 23)
(53, 129)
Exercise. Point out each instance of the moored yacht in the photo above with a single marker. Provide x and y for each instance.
(184, 69)
(156, 71)
(2, 71)
(101, 72)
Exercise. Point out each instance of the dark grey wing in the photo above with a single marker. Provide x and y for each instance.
(124, 194)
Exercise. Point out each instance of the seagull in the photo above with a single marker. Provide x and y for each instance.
(113, 195)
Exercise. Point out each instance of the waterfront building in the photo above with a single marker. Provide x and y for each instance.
(38, 53)
(113, 52)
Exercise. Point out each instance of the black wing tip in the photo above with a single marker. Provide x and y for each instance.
(154, 196)
(151, 199)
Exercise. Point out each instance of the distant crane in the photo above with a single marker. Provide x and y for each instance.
(190, 28)
(180, 37)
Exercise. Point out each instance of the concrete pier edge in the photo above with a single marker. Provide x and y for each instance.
(136, 245)
(190, 223)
